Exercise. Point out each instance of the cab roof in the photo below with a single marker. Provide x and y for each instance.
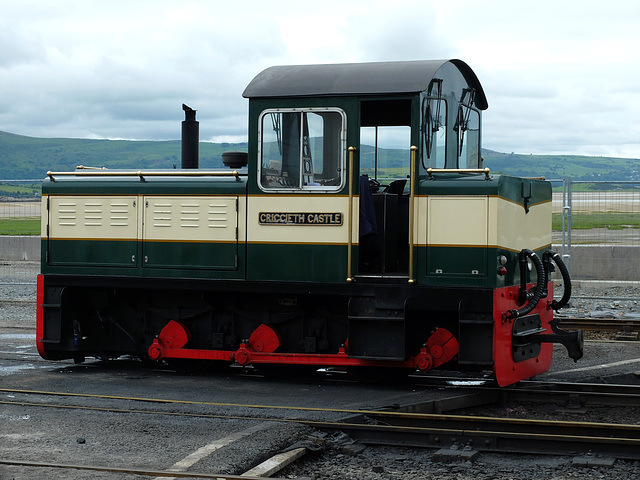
(374, 78)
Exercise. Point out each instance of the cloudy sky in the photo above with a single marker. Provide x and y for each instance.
(560, 76)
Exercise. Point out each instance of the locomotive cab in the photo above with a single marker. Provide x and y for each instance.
(304, 121)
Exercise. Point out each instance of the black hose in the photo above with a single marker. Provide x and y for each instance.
(566, 280)
(539, 290)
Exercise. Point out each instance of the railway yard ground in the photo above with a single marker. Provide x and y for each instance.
(127, 419)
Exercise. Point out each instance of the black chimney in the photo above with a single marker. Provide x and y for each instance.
(190, 138)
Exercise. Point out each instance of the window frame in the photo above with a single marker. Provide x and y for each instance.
(305, 188)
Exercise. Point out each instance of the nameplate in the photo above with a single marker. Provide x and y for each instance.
(300, 218)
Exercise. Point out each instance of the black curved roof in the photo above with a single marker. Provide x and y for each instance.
(375, 78)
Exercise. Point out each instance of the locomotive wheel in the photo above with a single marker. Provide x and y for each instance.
(378, 374)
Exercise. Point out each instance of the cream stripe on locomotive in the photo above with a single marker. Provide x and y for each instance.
(473, 221)
(152, 218)
(440, 220)
(517, 229)
(300, 219)
(457, 220)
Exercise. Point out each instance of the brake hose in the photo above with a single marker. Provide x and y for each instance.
(540, 287)
(566, 279)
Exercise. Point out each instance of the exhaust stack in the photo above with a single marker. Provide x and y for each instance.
(190, 138)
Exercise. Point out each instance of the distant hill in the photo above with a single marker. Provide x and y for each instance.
(576, 167)
(24, 157)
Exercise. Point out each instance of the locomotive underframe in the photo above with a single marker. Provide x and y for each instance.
(362, 324)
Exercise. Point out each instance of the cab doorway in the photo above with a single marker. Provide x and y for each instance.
(385, 159)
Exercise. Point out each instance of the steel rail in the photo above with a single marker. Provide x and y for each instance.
(438, 405)
(612, 395)
(610, 388)
(170, 401)
(600, 324)
(506, 435)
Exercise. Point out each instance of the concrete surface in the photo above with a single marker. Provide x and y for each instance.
(605, 262)
(14, 247)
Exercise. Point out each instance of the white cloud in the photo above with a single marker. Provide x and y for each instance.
(559, 76)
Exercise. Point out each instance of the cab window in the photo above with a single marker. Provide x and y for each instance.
(302, 149)
(468, 129)
(434, 132)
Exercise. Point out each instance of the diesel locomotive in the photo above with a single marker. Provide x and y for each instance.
(360, 231)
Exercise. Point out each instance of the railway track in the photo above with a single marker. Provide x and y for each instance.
(481, 433)
(487, 434)
(576, 394)
(434, 430)
(601, 324)
(569, 393)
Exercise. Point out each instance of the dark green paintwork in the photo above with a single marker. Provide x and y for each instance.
(92, 253)
(300, 263)
(176, 259)
(210, 256)
(444, 262)
(460, 259)
(69, 185)
(514, 189)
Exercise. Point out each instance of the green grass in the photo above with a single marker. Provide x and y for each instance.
(20, 226)
(25, 190)
(608, 220)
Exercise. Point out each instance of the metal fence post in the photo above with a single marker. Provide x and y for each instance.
(566, 221)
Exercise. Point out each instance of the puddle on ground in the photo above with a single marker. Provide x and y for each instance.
(13, 369)
(17, 336)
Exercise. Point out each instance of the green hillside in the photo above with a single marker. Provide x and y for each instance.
(577, 167)
(27, 157)
(24, 157)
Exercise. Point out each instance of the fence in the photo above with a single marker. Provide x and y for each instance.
(19, 216)
(597, 227)
(597, 231)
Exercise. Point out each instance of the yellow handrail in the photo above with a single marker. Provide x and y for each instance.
(411, 210)
(350, 239)
(142, 175)
(431, 171)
